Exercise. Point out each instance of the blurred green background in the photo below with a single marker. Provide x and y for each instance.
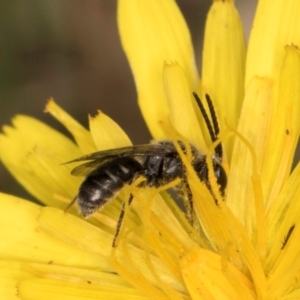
(70, 50)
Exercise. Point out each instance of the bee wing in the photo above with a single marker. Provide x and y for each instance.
(88, 167)
(97, 159)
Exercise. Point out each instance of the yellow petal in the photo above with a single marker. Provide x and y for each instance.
(283, 215)
(226, 234)
(276, 25)
(76, 231)
(106, 133)
(23, 238)
(81, 135)
(254, 126)
(181, 104)
(224, 63)
(73, 274)
(33, 153)
(97, 241)
(284, 128)
(47, 289)
(284, 275)
(48, 281)
(206, 277)
(153, 32)
(10, 274)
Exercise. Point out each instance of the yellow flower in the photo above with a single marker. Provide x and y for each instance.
(246, 247)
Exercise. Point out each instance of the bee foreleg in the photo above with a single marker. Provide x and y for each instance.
(120, 220)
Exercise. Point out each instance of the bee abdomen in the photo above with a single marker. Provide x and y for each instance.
(104, 183)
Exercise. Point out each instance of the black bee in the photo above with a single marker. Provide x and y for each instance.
(157, 163)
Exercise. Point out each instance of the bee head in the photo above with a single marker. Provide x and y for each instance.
(221, 176)
(201, 168)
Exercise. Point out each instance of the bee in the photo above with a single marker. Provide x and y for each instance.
(157, 163)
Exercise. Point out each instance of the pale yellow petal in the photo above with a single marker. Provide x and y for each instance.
(47, 289)
(98, 240)
(282, 216)
(48, 281)
(208, 277)
(254, 126)
(284, 128)
(285, 271)
(181, 104)
(74, 274)
(76, 231)
(106, 133)
(153, 32)
(223, 68)
(23, 238)
(81, 135)
(34, 153)
(10, 274)
(226, 234)
(276, 24)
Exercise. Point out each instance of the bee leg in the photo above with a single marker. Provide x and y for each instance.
(190, 208)
(212, 193)
(70, 204)
(120, 220)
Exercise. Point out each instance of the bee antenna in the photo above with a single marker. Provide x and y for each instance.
(213, 128)
(213, 115)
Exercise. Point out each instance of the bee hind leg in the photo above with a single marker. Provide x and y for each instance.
(70, 204)
(190, 203)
